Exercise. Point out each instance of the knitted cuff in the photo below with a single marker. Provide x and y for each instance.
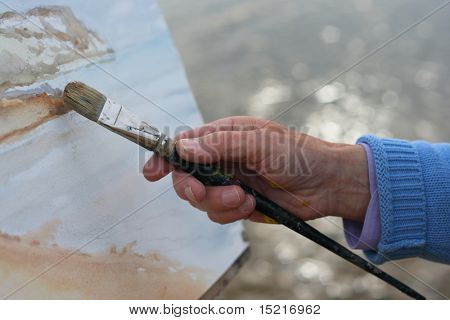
(402, 199)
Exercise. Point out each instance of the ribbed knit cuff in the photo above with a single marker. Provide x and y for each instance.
(402, 199)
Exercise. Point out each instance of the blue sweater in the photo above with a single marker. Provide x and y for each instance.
(414, 190)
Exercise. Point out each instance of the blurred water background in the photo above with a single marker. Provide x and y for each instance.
(258, 57)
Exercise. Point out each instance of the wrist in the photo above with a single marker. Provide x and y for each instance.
(351, 185)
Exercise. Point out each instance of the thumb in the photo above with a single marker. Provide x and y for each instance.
(236, 146)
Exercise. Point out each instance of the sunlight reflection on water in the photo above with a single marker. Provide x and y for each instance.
(277, 54)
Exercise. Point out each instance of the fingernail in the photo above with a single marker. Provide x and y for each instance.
(189, 194)
(248, 205)
(231, 198)
(189, 144)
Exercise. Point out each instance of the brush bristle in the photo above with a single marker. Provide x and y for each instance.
(85, 100)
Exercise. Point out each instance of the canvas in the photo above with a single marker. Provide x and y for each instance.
(77, 218)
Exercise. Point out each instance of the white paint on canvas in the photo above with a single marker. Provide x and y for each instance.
(65, 180)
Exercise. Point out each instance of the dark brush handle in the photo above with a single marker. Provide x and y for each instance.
(213, 176)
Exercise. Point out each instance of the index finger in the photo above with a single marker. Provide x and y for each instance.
(237, 123)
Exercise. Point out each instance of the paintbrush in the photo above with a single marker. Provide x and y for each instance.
(96, 107)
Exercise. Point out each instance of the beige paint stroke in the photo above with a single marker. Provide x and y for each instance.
(33, 49)
(20, 115)
(116, 274)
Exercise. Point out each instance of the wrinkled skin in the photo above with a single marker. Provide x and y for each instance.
(310, 177)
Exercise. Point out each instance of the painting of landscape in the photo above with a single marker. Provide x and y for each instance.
(77, 218)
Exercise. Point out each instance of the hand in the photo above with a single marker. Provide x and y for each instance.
(309, 177)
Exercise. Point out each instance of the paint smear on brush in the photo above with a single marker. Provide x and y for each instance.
(115, 274)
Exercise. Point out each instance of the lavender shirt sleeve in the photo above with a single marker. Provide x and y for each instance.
(366, 235)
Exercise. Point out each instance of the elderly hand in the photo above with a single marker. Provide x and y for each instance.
(309, 177)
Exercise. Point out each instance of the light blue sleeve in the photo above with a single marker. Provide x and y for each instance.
(414, 192)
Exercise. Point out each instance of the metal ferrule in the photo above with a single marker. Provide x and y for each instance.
(119, 120)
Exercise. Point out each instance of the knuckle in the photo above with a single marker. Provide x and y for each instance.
(206, 129)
